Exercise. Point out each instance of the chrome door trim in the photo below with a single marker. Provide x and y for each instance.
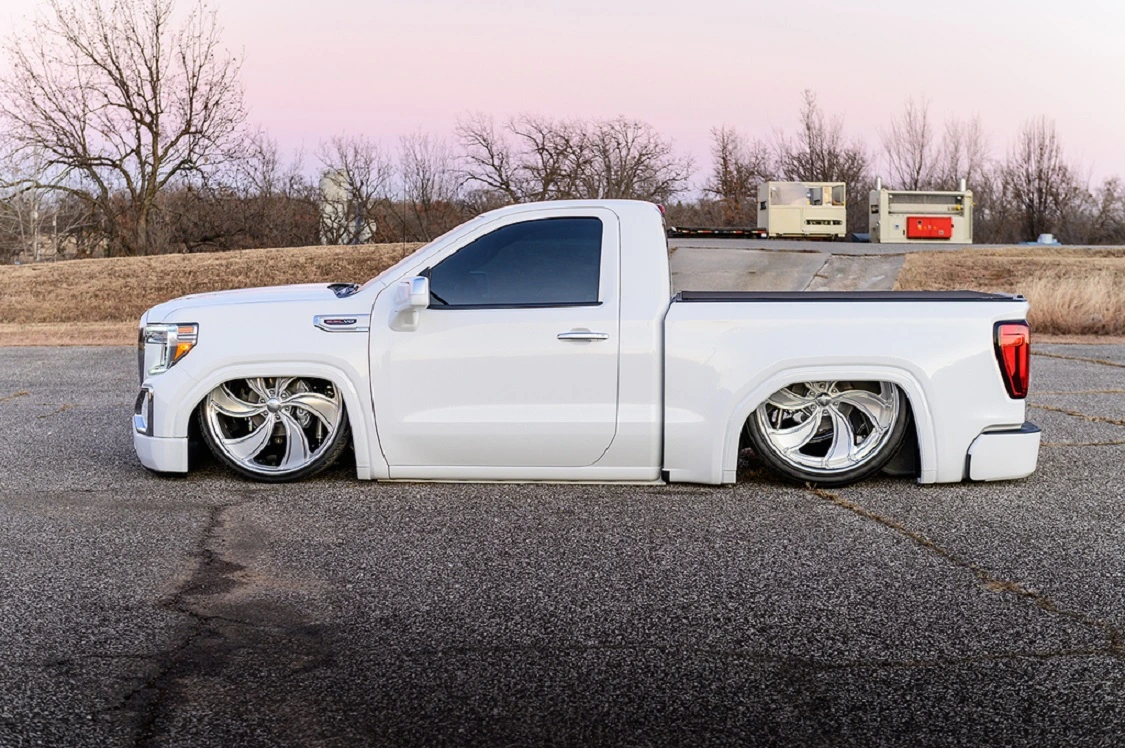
(583, 335)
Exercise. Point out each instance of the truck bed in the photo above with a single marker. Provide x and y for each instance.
(727, 351)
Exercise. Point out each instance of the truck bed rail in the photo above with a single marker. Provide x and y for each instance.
(806, 296)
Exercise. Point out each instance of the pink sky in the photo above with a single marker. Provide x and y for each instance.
(317, 67)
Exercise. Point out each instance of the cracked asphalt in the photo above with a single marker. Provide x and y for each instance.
(206, 610)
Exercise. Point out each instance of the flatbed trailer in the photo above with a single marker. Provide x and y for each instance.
(682, 232)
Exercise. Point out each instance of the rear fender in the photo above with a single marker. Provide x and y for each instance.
(748, 401)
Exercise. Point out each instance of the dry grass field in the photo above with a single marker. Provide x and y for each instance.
(98, 302)
(1072, 291)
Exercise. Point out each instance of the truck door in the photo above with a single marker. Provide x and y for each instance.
(515, 362)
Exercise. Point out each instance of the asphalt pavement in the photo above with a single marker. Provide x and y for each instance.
(207, 610)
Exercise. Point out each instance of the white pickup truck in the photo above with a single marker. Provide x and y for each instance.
(541, 342)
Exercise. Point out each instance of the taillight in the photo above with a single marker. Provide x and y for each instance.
(1013, 352)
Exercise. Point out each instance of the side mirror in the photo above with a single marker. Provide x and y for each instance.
(412, 294)
(411, 297)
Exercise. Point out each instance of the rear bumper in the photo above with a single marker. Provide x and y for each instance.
(1004, 455)
(164, 455)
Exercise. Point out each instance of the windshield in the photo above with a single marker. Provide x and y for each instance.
(405, 259)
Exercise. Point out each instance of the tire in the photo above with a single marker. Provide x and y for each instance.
(830, 433)
(275, 429)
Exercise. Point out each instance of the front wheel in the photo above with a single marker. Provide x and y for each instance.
(829, 433)
(275, 429)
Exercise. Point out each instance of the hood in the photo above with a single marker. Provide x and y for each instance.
(268, 294)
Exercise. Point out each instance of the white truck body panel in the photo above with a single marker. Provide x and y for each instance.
(496, 387)
(494, 394)
(718, 371)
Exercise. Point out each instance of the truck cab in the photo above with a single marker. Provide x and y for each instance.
(539, 353)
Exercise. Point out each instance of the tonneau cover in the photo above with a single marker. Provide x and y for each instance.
(782, 296)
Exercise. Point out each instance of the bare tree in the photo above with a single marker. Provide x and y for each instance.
(261, 200)
(1107, 219)
(553, 156)
(908, 146)
(356, 180)
(489, 159)
(430, 186)
(26, 226)
(818, 152)
(36, 223)
(737, 167)
(992, 219)
(1038, 182)
(125, 97)
(629, 159)
(262, 169)
(530, 158)
(24, 223)
(963, 154)
(536, 158)
(280, 204)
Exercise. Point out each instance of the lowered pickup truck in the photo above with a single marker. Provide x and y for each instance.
(542, 342)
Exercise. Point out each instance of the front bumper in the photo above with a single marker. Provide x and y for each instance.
(155, 441)
(1004, 455)
(162, 454)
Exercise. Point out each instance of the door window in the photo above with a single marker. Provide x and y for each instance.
(543, 263)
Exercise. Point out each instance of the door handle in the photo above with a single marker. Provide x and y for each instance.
(583, 335)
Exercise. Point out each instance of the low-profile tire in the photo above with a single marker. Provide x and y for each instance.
(275, 429)
(830, 433)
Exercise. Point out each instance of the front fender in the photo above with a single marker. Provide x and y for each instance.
(369, 460)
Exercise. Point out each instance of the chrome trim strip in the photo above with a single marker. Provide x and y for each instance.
(142, 412)
(343, 322)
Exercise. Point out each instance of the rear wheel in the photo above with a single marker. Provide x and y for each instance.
(275, 429)
(829, 433)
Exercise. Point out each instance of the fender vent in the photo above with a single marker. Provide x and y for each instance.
(343, 322)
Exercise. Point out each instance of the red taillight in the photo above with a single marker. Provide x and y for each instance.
(1013, 352)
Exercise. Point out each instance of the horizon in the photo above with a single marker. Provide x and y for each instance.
(580, 64)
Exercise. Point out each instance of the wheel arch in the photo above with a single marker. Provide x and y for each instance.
(356, 401)
(748, 400)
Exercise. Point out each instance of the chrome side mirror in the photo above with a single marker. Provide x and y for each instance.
(412, 294)
(411, 297)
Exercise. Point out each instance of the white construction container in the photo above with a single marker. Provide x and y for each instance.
(802, 209)
(921, 216)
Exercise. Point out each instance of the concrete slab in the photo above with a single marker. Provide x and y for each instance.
(734, 266)
(858, 273)
(734, 269)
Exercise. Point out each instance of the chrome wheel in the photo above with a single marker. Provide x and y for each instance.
(833, 432)
(275, 428)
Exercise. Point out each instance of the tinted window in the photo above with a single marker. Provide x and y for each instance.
(550, 262)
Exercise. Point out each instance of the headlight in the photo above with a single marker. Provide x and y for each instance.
(161, 346)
